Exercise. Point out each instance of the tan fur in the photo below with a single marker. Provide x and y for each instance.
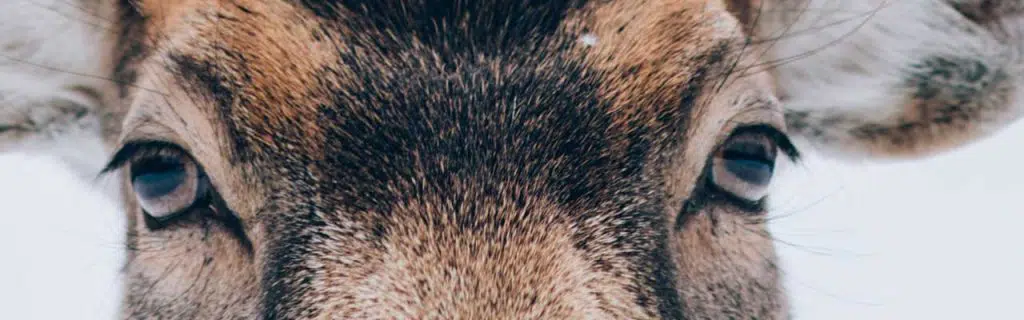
(645, 49)
(502, 272)
(208, 30)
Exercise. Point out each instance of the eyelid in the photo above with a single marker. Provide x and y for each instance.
(777, 136)
(751, 206)
(131, 149)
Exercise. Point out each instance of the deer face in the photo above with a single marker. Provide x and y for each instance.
(486, 160)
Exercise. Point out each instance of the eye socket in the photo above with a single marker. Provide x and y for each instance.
(745, 164)
(166, 182)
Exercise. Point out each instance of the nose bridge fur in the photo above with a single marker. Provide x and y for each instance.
(461, 157)
(470, 255)
(503, 251)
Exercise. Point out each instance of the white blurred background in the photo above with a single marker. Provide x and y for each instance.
(931, 239)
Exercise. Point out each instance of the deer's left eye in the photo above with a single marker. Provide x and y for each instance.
(166, 183)
(745, 164)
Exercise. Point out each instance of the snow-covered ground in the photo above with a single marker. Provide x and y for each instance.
(933, 239)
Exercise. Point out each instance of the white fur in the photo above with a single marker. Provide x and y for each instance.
(55, 70)
(850, 59)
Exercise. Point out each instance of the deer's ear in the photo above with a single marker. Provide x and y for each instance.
(891, 79)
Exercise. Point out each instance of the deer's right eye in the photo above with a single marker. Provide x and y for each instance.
(166, 183)
(744, 165)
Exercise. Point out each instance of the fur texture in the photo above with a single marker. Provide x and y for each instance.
(485, 159)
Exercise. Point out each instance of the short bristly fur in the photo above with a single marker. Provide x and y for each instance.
(485, 159)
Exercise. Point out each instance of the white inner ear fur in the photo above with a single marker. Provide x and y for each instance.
(55, 74)
(892, 79)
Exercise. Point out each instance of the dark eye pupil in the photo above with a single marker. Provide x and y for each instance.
(749, 161)
(751, 171)
(156, 178)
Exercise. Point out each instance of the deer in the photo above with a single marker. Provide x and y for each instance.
(483, 159)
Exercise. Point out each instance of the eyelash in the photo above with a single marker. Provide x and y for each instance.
(781, 140)
(140, 149)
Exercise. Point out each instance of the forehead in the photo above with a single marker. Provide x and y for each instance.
(318, 81)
